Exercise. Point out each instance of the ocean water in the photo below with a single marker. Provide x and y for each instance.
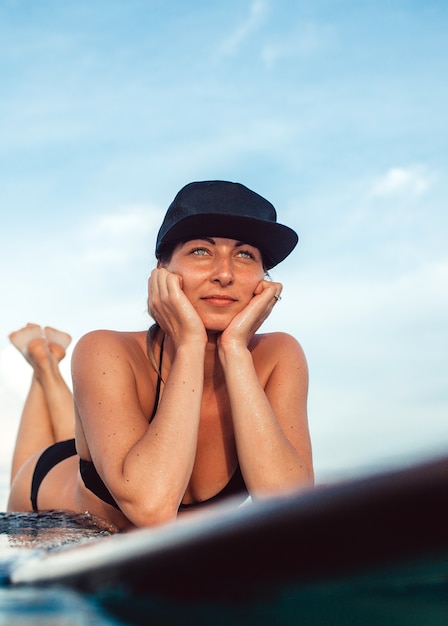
(22, 536)
(49, 607)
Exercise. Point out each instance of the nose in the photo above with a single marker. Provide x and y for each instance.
(222, 271)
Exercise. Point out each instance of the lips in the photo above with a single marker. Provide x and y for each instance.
(219, 300)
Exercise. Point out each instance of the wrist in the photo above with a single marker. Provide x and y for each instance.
(195, 347)
(230, 352)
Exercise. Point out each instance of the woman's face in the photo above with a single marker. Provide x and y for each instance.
(219, 277)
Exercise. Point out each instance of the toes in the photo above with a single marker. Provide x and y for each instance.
(24, 339)
(57, 336)
(21, 338)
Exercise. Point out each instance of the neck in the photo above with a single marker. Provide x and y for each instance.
(213, 372)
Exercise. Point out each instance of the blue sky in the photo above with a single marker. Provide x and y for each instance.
(334, 110)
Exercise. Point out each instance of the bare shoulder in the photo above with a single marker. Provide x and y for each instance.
(280, 353)
(98, 345)
(276, 346)
(113, 338)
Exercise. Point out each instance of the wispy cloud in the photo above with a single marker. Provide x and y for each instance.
(120, 237)
(414, 181)
(257, 13)
(303, 41)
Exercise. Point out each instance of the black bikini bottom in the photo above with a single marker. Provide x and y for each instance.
(62, 450)
(48, 459)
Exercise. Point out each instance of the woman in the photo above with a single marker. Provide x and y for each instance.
(200, 407)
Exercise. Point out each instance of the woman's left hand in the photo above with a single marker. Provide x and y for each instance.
(246, 323)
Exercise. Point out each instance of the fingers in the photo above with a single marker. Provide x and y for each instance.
(163, 285)
(171, 309)
(163, 290)
(274, 289)
(244, 325)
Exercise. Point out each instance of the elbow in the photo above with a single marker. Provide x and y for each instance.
(308, 476)
(305, 477)
(289, 485)
(149, 512)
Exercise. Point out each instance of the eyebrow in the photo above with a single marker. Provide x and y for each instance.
(211, 241)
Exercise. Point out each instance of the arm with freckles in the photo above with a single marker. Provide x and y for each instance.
(146, 467)
(270, 422)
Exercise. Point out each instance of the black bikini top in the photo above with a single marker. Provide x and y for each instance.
(93, 481)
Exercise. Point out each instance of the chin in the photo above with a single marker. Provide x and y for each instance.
(217, 322)
(216, 326)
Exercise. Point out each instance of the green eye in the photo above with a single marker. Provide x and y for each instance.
(246, 254)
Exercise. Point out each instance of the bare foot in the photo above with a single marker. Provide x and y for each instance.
(39, 356)
(35, 344)
(31, 342)
(44, 358)
(57, 336)
(21, 338)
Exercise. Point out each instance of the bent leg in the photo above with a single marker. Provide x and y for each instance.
(47, 416)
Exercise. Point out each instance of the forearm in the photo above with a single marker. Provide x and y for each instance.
(160, 463)
(269, 461)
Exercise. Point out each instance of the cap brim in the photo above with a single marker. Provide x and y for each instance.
(275, 241)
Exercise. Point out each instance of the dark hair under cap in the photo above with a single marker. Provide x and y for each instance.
(219, 208)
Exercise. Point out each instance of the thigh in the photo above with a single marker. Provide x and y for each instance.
(20, 492)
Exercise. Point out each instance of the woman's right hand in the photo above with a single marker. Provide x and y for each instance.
(171, 309)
